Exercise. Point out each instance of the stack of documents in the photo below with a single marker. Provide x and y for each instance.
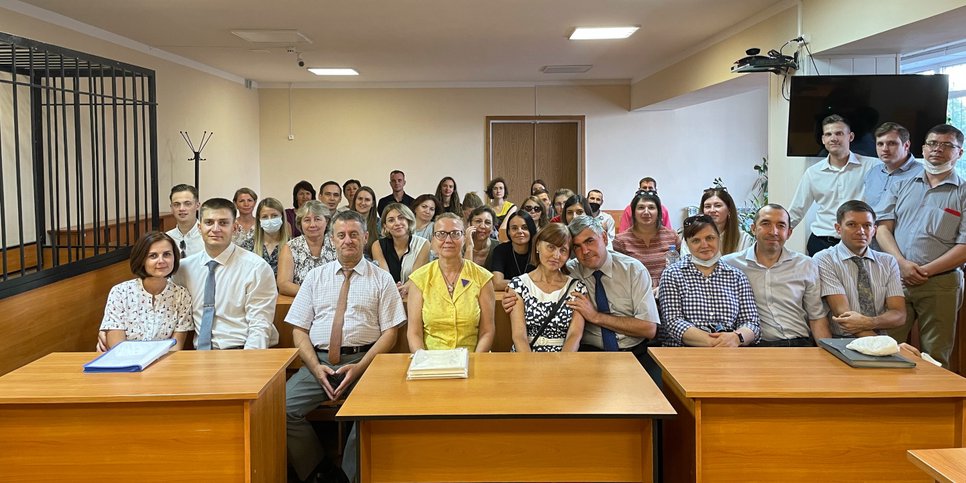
(130, 356)
(837, 347)
(441, 364)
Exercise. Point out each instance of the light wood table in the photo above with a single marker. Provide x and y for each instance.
(518, 417)
(946, 465)
(800, 414)
(192, 416)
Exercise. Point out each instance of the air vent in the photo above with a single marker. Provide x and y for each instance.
(276, 36)
(565, 69)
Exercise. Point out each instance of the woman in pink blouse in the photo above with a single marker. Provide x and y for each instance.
(151, 306)
(648, 240)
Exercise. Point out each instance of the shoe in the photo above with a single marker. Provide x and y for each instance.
(327, 473)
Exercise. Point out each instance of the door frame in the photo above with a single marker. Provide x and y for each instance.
(580, 120)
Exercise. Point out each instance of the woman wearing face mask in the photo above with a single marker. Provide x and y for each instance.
(705, 303)
(648, 240)
(512, 259)
(151, 306)
(303, 253)
(479, 241)
(540, 320)
(718, 204)
(271, 231)
(245, 222)
(399, 251)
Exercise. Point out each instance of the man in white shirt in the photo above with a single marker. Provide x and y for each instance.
(330, 194)
(829, 183)
(242, 309)
(362, 313)
(786, 284)
(184, 207)
(595, 199)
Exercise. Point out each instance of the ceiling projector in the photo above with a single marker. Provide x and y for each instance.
(773, 62)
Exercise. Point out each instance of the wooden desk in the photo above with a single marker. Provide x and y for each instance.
(192, 416)
(519, 417)
(943, 465)
(800, 414)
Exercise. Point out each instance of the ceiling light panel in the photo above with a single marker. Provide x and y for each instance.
(276, 36)
(565, 69)
(332, 71)
(602, 33)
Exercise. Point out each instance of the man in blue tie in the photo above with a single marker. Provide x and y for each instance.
(233, 291)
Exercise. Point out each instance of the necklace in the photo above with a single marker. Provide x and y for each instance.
(451, 285)
(520, 271)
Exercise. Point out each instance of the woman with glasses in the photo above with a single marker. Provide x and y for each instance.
(271, 232)
(718, 204)
(451, 299)
(541, 321)
(303, 253)
(537, 210)
(648, 240)
(705, 303)
(479, 236)
(512, 259)
(448, 196)
(399, 251)
(302, 192)
(425, 208)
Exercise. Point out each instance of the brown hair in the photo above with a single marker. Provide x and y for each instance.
(139, 252)
(731, 234)
(555, 234)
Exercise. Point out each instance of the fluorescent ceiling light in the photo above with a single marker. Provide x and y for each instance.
(332, 71)
(601, 33)
(276, 36)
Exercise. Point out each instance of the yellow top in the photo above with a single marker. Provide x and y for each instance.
(504, 209)
(450, 322)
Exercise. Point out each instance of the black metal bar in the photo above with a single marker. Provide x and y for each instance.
(117, 187)
(3, 210)
(53, 168)
(104, 167)
(16, 156)
(63, 118)
(25, 42)
(37, 140)
(79, 166)
(137, 162)
(95, 206)
(153, 115)
(126, 184)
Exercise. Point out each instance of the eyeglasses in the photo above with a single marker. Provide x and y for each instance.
(453, 235)
(697, 219)
(939, 146)
(183, 247)
(533, 209)
(646, 193)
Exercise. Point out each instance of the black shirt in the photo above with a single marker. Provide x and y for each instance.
(386, 200)
(508, 262)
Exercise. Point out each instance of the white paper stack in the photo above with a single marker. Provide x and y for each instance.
(440, 364)
(130, 356)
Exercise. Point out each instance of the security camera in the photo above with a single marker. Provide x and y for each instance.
(301, 63)
(299, 59)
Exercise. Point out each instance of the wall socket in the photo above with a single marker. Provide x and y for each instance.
(291, 137)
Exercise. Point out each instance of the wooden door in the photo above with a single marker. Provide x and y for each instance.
(521, 149)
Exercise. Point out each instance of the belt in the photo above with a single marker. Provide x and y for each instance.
(793, 342)
(352, 350)
(830, 239)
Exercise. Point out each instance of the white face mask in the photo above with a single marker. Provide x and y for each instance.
(934, 170)
(271, 225)
(706, 263)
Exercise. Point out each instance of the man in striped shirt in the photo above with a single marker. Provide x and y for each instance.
(860, 285)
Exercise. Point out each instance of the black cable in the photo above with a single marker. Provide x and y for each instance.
(812, 58)
(782, 89)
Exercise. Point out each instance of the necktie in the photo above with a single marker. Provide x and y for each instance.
(183, 246)
(608, 336)
(864, 288)
(208, 315)
(335, 340)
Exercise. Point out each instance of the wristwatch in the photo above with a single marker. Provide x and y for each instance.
(741, 338)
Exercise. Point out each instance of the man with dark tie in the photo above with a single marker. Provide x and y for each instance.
(346, 313)
(233, 291)
(860, 285)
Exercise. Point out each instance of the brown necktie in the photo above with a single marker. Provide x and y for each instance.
(335, 340)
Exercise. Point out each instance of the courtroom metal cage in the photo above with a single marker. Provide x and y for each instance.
(78, 161)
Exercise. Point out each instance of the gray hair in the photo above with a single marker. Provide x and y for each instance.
(583, 222)
(349, 215)
(314, 207)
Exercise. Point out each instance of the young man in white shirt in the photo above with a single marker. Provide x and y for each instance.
(245, 294)
(829, 183)
(184, 207)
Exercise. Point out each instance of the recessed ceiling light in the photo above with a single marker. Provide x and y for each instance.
(565, 69)
(602, 33)
(332, 71)
(272, 36)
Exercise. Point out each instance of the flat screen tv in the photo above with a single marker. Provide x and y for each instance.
(917, 102)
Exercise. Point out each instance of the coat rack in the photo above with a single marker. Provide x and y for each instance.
(205, 137)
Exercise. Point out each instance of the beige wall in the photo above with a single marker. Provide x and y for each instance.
(431, 133)
(187, 100)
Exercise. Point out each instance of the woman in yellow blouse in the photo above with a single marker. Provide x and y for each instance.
(450, 299)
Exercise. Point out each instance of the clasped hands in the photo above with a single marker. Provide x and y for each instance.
(348, 374)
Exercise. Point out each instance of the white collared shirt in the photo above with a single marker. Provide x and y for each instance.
(829, 187)
(245, 296)
(192, 239)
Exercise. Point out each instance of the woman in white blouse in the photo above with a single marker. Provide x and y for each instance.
(399, 251)
(151, 306)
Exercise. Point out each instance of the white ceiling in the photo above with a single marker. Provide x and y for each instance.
(420, 41)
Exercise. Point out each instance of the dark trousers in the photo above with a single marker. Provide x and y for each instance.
(818, 243)
(796, 342)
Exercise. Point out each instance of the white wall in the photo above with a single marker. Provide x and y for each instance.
(431, 133)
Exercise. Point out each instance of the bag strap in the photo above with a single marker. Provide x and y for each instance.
(553, 311)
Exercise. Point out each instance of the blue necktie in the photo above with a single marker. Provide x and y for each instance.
(208, 315)
(608, 336)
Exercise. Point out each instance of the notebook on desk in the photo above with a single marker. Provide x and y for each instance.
(858, 359)
(130, 356)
